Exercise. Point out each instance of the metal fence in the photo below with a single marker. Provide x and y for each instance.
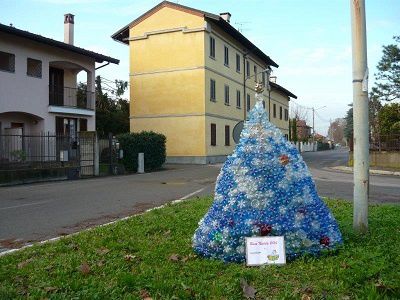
(38, 149)
(58, 155)
(390, 142)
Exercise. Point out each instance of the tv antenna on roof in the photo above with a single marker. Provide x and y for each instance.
(241, 27)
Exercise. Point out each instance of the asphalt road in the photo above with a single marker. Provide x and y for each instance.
(336, 184)
(40, 211)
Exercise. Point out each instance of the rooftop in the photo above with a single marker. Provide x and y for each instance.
(122, 35)
(47, 41)
(282, 89)
(302, 123)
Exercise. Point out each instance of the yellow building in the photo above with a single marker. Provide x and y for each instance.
(192, 78)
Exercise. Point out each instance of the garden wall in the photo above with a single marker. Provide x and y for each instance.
(383, 159)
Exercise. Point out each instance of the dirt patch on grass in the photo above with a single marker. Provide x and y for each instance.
(137, 208)
(12, 243)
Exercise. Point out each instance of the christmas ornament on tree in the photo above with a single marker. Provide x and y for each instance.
(265, 189)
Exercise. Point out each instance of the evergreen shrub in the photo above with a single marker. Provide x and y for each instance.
(152, 144)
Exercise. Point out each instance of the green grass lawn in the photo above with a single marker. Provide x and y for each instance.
(151, 256)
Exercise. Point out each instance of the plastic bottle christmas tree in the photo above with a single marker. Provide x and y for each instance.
(265, 189)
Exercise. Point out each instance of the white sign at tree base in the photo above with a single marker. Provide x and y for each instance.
(265, 250)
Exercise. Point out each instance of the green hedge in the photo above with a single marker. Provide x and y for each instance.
(323, 146)
(150, 143)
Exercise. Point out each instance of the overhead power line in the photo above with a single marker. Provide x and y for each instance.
(321, 118)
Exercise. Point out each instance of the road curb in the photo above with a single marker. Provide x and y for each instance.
(371, 171)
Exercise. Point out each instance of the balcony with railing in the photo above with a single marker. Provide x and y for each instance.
(71, 97)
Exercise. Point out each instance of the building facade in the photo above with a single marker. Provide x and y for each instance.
(38, 83)
(303, 130)
(192, 78)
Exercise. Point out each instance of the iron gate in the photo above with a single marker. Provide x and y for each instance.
(110, 155)
(25, 158)
(86, 153)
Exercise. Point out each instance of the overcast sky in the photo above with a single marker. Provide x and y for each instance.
(310, 40)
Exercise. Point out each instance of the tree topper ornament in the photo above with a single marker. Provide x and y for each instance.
(259, 88)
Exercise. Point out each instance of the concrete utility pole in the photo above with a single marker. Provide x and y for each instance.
(313, 128)
(360, 116)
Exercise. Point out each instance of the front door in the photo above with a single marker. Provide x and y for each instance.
(66, 126)
(67, 139)
(56, 86)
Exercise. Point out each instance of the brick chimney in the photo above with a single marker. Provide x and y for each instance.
(69, 29)
(226, 16)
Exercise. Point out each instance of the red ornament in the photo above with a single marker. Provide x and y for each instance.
(265, 229)
(284, 159)
(302, 211)
(324, 241)
(231, 223)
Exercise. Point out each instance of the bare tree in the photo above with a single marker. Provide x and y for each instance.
(298, 112)
(336, 130)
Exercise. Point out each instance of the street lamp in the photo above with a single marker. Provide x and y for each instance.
(313, 129)
(268, 86)
(239, 126)
(245, 78)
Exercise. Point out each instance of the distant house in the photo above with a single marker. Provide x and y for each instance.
(303, 130)
(38, 83)
(192, 78)
(320, 138)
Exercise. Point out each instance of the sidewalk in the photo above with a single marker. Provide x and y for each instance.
(371, 171)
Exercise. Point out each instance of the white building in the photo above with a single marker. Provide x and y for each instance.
(38, 83)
